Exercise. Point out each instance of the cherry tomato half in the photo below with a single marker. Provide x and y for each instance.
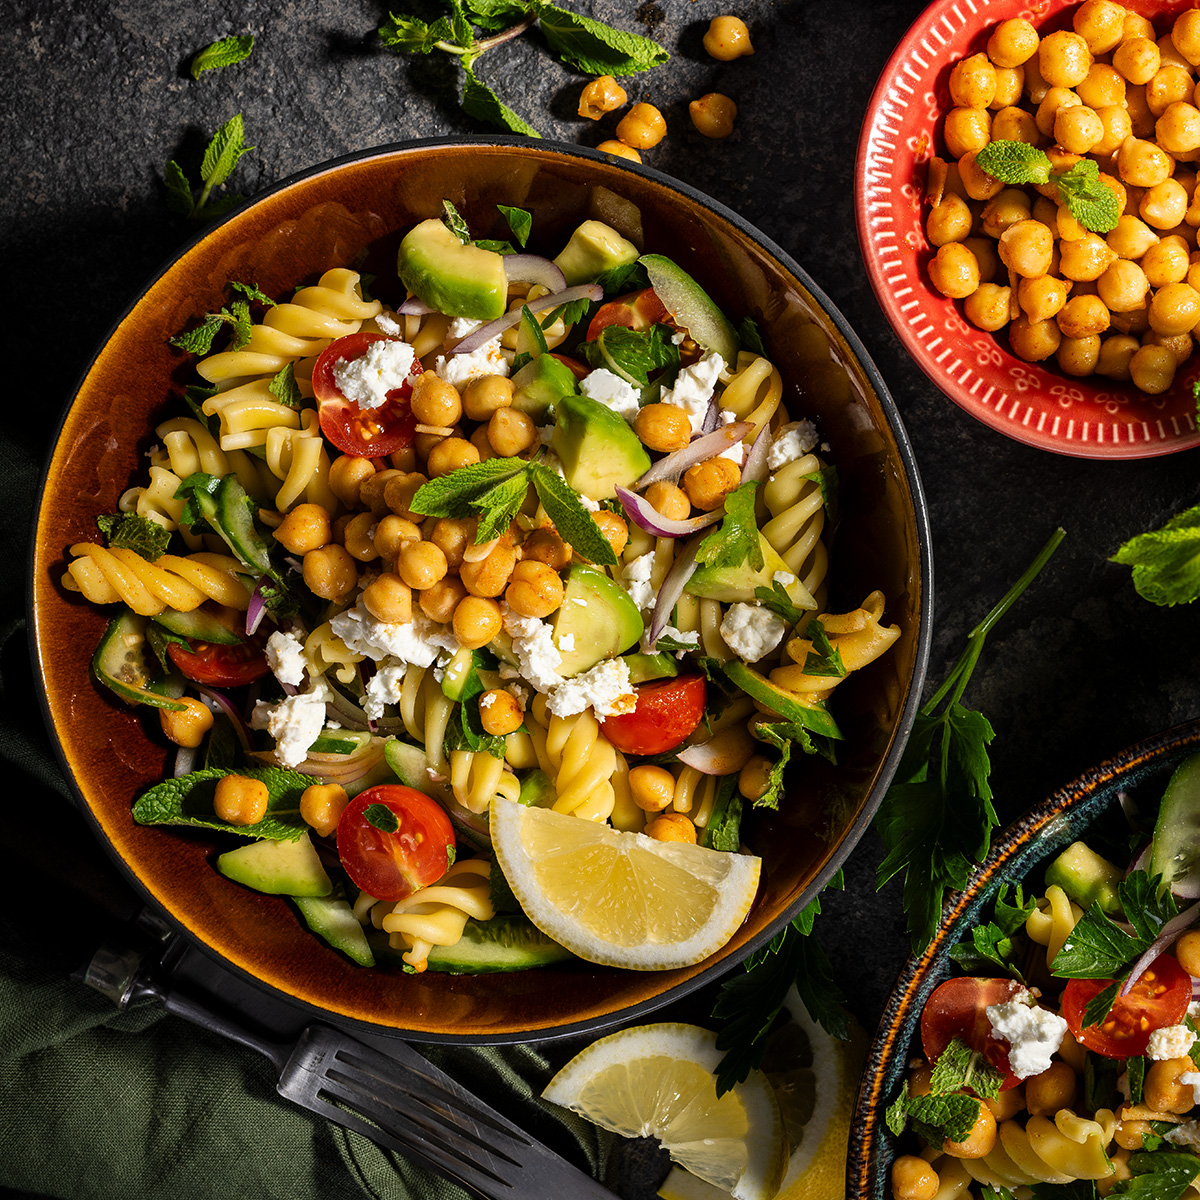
(220, 665)
(1159, 998)
(958, 1009)
(637, 310)
(667, 711)
(363, 433)
(387, 863)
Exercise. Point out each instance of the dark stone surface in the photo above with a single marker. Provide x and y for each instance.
(97, 97)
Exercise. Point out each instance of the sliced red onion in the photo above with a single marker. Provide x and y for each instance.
(414, 307)
(712, 418)
(724, 754)
(644, 515)
(533, 268)
(343, 768)
(485, 333)
(1170, 931)
(754, 469)
(256, 610)
(221, 703)
(672, 588)
(701, 450)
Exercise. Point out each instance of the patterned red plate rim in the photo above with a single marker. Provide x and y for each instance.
(1022, 400)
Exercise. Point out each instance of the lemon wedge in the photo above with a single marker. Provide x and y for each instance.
(814, 1076)
(616, 898)
(659, 1081)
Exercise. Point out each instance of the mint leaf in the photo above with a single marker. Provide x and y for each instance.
(593, 47)
(1091, 201)
(723, 831)
(519, 221)
(453, 221)
(632, 353)
(200, 339)
(736, 540)
(1014, 162)
(480, 102)
(223, 53)
(222, 153)
(179, 190)
(496, 14)
(128, 531)
(498, 506)
(1166, 561)
(939, 1118)
(574, 523)
(381, 817)
(252, 293)
(284, 388)
(452, 495)
(410, 35)
(958, 1066)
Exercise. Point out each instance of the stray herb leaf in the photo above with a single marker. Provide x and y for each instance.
(223, 53)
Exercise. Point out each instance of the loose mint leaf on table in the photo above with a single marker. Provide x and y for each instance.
(480, 102)
(179, 191)
(128, 531)
(223, 53)
(411, 35)
(593, 47)
(1166, 561)
(188, 800)
(221, 155)
(936, 819)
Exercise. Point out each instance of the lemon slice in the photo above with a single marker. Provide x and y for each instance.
(616, 898)
(658, 1081)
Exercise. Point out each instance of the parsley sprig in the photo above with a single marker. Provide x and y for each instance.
(992, 947)
(1090, 200)
(936, 820)
(736, 540)
(221, 155)
(579, 41)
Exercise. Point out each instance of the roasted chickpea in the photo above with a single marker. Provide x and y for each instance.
(987, 307)
(439, 602)
(389, 599)
(1135, 322)
(914, 1179)
(1170, 53)
(1101, 24)
(1123, 286)
(1103, 87)
(1131, 237)
(1083, 316)
(1171, 85)
(1085, 258)
(708, 483)
(392, 532)
(307, 527)
(1187, 950)
(477, 620)
(652, 788)
(1115, 355)
(984, 249)
(1141, 119)
(399, 491)
(1078, 356)
(1041, 298)
(534, 589)
(1078, 128)
(966, 129)
(713, 115)
(435, 402)
(1010, 1102)
(330, 572)
(602, 95)
(485, 394)
(1063, 59)
(1129, 1134)
(615, 531)
(1117, 126)
(1185, 36)
(1025, 247)
(240, 800)
(976, 182)
(1033, 341)
(1007, 208)
(1137, 25)
(1142, 163)
(448, 455)
(371, 491)
(421, 564)
(727, 38)
(1162, 1089)
(1051, 1090)
(546, 546)
(663, 427)
(499, 712)
(612, 146)
(949, 221)
(1010, 82)
(1011, 124)
(489, 574)
(322, 805)
(973, 82)
(954, 271)
(1055, 99)
(1137, 59)
(669, 500)
(189, 725)
(1178, 129)
(1166, 262)
(452, 535)
(1179, 344)
(1012, 42)
(346, 475)
(980, 1141)
(642, 127)
(1035, 86)
(1152, 370)
(671, 827)
(511, 432)
(357, 539)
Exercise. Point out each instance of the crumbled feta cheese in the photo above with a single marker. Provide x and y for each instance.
(752, 631)
(383, 688)
(588, 503)
(285, 657)
(545, 434)
(386, 323)
(368, 378)
(783, 578)
(636, 578)
(1191, 1079)
(295, 723)
(460, 369)
(605, 688)
(1034, 1034)
(609, 389)
(533, 644)
(487, 699)
(417, 641)
(1171, 1041)
(737, 452)
(694, 388)
(1185, 1134)
(1193, 1010)
(791, 442)
(567, 642)
(462, 327)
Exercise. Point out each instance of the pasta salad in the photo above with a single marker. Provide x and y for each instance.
(1066, 1061)
(503, 529)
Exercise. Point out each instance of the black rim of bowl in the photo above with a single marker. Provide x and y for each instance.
(1041, 832)
(924, 575)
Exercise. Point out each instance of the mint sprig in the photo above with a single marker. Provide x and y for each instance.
(223, 53)
(1166, 561)
(129, 531)
(1090, 200)
(236, 315)
(221, 155)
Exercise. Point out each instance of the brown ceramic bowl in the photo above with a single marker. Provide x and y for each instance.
(1020, 853)
(353, 211)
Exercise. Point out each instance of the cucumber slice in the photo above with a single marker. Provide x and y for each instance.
(196, 626)
(505, 943)
(1175, 850)
(332, 919)
(124, 664)
(227, 509)
(691, 306)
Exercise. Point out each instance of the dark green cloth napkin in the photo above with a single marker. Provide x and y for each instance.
(140, 1105)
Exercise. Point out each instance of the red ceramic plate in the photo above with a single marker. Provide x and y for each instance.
(1087, 418)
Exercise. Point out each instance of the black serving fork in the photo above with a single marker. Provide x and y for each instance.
(395, 1097)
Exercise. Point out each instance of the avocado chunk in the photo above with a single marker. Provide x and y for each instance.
(597, 620)
(598, 449)
(454, 277)
(789, 705)
(280, 868)
(733, 584)
(332, 919)
(594, 248)
(1086, 877)
(644, 667)
(540, 384)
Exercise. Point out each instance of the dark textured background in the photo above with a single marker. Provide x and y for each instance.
(96, 97)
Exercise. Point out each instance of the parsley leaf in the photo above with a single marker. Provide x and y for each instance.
(936, 820)
(223, 53)
(1166, 561)
(991, 945)
(132, 532)
(723, 830)
(1163, 1175)
(736, 540)
(824, 658)
(519, 221)
(776, 600)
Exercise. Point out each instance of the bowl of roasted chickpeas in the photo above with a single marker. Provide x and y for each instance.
(1051, 1104)
(313, 240)
(1026, 206)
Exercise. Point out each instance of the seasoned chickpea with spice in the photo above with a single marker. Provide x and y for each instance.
(663, 427)
(188, 726)
(1012, 43)
(534, 589)
(713, 115)
(642, 127)
(499, 712)
(612, 146)
(954, 271)
(708, 483)
(602, 95)
(727, 38)
(240, 800)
